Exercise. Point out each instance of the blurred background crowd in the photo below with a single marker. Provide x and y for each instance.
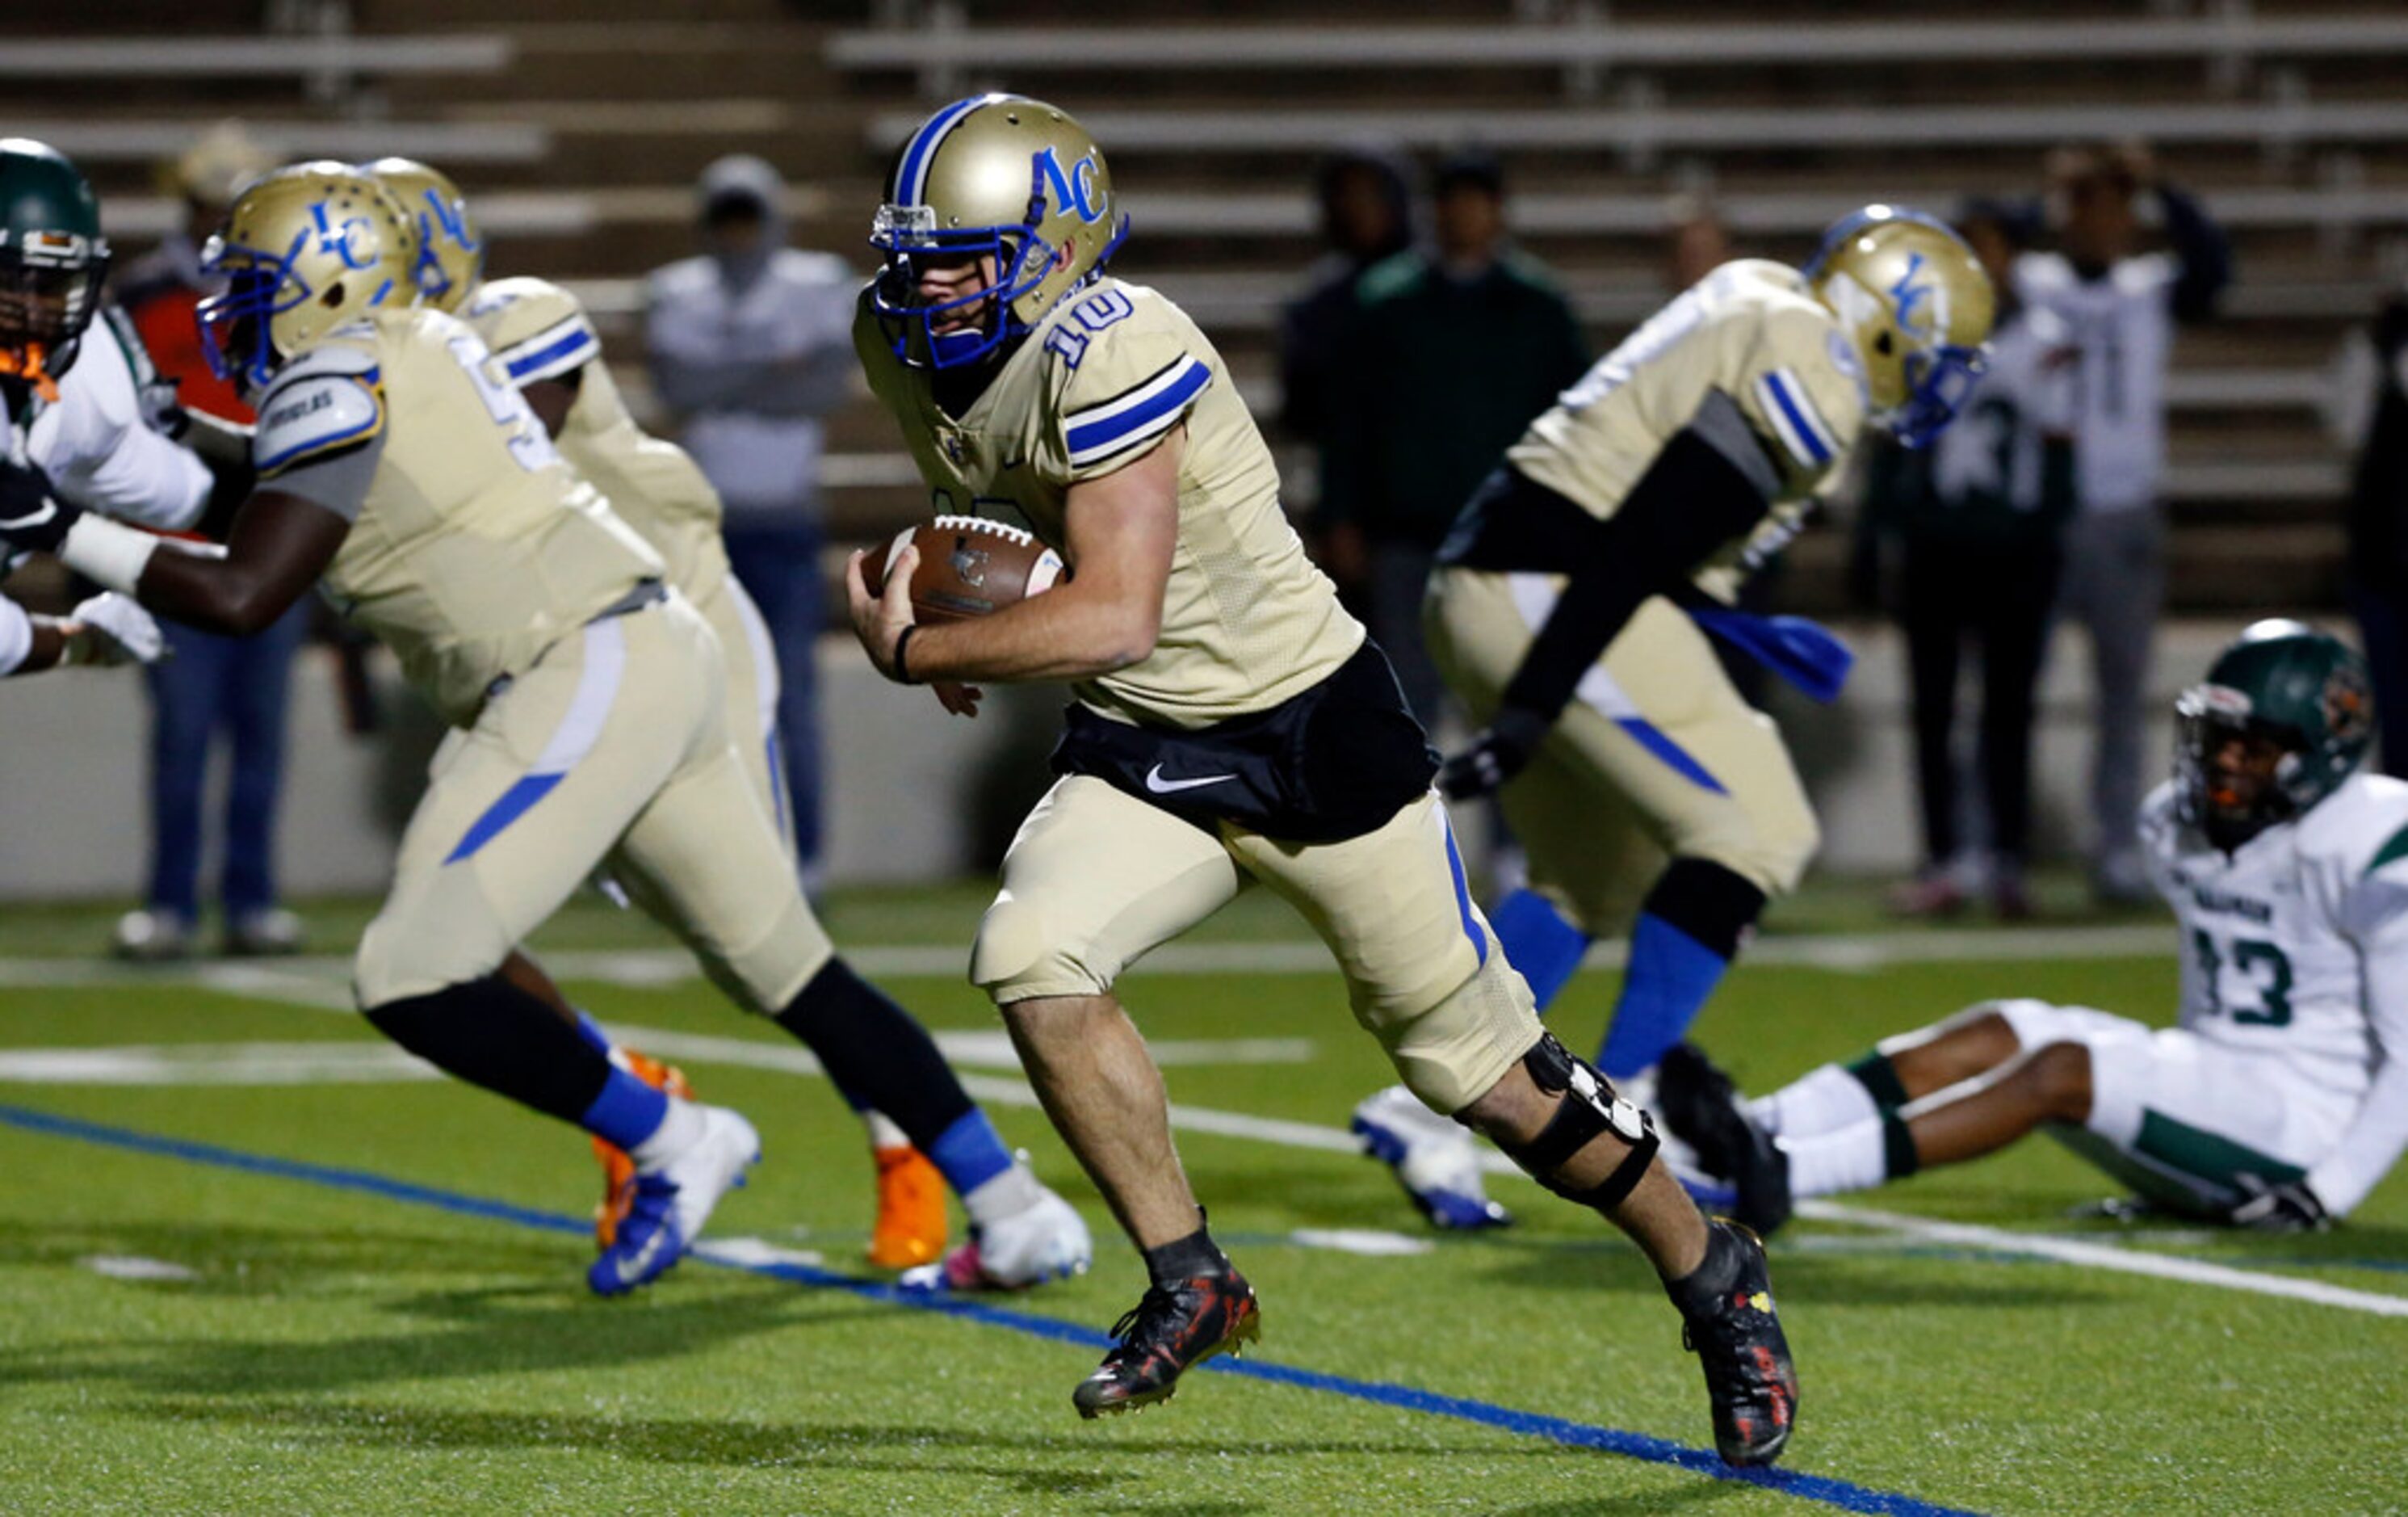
(1407, 226)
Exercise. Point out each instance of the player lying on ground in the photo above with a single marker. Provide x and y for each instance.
(1234, 725)
(2282, 1096)
(1572, 611)
(397, 464)
(539, 334)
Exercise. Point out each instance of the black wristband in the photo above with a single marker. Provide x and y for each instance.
(902, 663)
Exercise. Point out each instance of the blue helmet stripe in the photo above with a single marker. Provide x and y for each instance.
(910, 182)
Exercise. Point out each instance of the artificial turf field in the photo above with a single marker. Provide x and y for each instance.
(375, 1302)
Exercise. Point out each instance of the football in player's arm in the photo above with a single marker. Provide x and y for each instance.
(1233, 723)
(2281, 1097)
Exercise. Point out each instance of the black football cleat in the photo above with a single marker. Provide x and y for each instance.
(1728, 1322)
(1702, 1106)
(1170, 1330)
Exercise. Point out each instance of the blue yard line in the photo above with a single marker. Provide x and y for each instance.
(1842, 1495)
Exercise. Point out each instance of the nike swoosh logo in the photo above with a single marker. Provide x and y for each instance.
(49, 508)
(1154, 781)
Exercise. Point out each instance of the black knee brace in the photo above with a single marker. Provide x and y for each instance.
(1588, 1111)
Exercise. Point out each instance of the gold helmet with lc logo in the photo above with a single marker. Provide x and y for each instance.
(1917, 307)
(304, 251)
(997, 176)
(451, 249)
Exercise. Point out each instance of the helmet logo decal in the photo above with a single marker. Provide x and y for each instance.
(1908, 297)
(2348, 706)
(1073, 190)
(451, 219)
(351, 240)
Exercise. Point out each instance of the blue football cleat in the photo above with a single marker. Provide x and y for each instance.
(673, 1202)
(1434, 1159)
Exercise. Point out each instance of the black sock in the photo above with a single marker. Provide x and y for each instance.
(1879, 1078)
(1716, 1274)
(1898, 1147)
(875, 1051)
(492, 1034)
(1183, 1259)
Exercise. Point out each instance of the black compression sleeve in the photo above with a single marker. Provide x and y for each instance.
(1693, 500)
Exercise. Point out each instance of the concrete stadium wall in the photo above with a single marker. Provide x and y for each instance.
(918, 795)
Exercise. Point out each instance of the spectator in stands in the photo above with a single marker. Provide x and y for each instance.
(1365, 215)
(210, 689)
(750, 344)
(1451, 349)
(2120, 304)
(2377, 572)
(1697, 240)
(1978, 518)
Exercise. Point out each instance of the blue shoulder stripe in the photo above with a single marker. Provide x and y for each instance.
(1106, 436)
(565, 353)
(1809, 428)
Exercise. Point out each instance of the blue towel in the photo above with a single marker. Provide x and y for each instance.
(1805, 654)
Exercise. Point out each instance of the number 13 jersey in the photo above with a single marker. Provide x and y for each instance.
(2295, 946)
(1247, 620)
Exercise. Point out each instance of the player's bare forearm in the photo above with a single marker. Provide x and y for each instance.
(280, 544)
(47, 646)
(1119, 533)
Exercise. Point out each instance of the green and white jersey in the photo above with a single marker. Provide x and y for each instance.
(1247, 620)
(2296, 946)
(97, 441)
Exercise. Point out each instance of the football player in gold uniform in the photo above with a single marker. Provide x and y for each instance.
(547, 346)
(1233, 726)
(1573, 607)
(399, 469)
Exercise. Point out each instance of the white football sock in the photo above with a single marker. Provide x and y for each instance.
(1821, 1101)
(883, 1133)
(1851, 1159)
(1007, 1194)
(680, 1130)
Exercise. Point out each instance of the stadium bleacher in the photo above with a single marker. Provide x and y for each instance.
(580, 142)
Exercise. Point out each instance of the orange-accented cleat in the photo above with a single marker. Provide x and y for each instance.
(912, 1226)
(618, 1170)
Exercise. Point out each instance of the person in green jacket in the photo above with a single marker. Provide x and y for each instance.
(1451, 349)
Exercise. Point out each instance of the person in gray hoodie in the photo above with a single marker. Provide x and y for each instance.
(749, 345)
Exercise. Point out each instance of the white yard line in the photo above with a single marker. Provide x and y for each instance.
(327, 977)
(305, 982)
(2107, 1256)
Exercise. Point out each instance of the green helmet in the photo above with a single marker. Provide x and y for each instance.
(53, 256)
(2285, 681)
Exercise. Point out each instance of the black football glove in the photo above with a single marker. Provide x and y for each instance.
(1497, 754)
(2283, 1207)
(31, 519)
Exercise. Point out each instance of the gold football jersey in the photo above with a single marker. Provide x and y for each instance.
(1751, 329)
(539, 332)
(1247, 620)
(473, 545)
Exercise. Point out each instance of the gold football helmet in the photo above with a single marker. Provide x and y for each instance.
(451, 249)
(997, 176)
(1915, 303)
(304, 251)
